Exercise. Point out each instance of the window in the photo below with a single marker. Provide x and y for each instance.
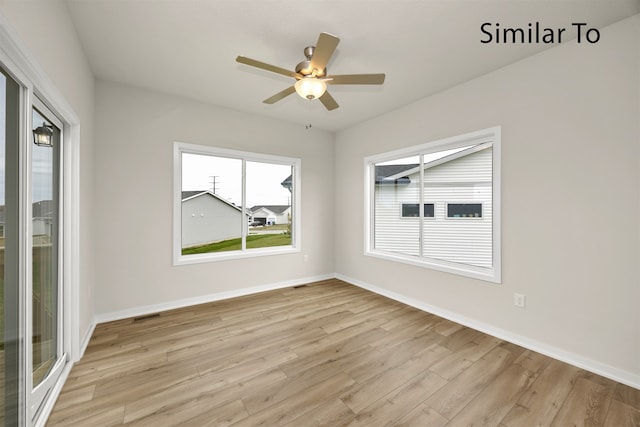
(458, 231)
(464, 210)
(230, 204)
(412, 210)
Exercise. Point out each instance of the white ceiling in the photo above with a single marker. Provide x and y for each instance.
(188, 47)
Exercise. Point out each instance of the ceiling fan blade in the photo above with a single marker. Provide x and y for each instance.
(356, 79)
(328, 101)
(278, 96)
(267, 67)
(325, 47)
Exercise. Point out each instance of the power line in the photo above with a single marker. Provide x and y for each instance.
(215, 182)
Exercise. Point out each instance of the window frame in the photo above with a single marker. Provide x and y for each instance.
(464, 218)
(402, 216)
(490, 135)
(181, 147)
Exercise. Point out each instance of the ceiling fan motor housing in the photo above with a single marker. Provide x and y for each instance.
(305, 68)
(311, 74)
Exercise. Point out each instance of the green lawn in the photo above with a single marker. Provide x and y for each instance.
(253, 241)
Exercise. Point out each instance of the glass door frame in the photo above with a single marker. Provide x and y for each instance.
(37, 395)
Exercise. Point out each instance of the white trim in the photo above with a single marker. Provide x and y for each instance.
(480, 273)
(49, 403)
(72, 239)
(476, 138)
(86, 339)
(480, 140)
(296, 245)
(225, 256)
(187, 302)
(38, 397)
(608, 371)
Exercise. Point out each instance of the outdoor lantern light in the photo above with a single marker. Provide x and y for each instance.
(43, 135)
(310, 87)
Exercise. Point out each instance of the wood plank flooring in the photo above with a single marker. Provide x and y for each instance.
(326, 354)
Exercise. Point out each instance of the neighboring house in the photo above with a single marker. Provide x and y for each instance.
(42, 218)
(208, 218)
(270, 214)
(457, 204)
(288, 183)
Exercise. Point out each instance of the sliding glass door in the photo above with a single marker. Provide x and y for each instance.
(10, 351)
(32, 351)
(47, 357)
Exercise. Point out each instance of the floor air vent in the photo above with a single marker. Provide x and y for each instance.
(146, 317)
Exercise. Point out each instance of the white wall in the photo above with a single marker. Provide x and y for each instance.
(570, 200)
(46, 30)
(135, 131)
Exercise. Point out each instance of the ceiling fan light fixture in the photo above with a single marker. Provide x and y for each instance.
(311, 74)
(310, 87)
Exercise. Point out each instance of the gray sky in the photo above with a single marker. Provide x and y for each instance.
(263, 179)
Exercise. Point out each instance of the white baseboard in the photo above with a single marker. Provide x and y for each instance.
(619, 375)
(85, 341)
(186, 302)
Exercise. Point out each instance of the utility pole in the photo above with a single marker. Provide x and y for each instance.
(214, 183)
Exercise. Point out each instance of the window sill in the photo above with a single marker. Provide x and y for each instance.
(480, 273)
(226, 256)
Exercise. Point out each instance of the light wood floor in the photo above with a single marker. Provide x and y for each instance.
(325, 354)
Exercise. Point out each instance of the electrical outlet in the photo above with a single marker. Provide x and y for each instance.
(518, 300)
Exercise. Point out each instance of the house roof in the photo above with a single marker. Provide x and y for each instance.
(192, 194)
(395, 174)
(385, 171)
(287, 183)
(276, 209)
(43, 209)
(189, 194)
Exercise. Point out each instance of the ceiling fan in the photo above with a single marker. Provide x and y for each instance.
(311, 74)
